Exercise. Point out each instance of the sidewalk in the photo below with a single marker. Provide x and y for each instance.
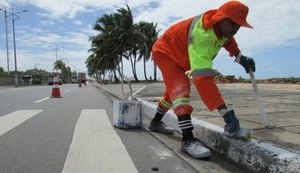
(282, 106)
(281, 103)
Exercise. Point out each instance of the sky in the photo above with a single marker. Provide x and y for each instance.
(63, 27)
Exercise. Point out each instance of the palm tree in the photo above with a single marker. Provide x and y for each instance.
(149, 30)
(105, 49)
(120, 38)
(60, 65)
(130, 39)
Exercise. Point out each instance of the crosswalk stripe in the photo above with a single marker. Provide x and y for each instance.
(10, 121)
(96, 147)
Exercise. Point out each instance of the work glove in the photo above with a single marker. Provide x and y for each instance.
(247, 63)
(232, 123)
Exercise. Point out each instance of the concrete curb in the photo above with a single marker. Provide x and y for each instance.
(255, 155)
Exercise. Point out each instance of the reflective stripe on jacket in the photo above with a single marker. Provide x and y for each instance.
(203, 47)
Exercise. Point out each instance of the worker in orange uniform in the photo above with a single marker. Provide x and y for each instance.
(187, 49)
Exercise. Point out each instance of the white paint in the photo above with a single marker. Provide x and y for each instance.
(276, 159)
(127, 114)
(96, 147)
(68, 90)
(12, 120)
(41, 100)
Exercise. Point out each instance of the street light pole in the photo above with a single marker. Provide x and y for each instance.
(56, 49)
(6, 38)
(35, 65)
(7, 52)
(15, 52)
(13, 14)
(55, 53)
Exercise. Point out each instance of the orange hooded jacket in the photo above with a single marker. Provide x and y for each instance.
(176, 39)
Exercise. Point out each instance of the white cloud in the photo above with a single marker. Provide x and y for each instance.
(39, 40)
(77, 40)
(47, 22)
(273, 20)
(4, 4)
(56, 9)
(77, 22)
(275, 23)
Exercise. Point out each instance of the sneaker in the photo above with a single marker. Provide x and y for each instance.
(160, 127)
(195, 149)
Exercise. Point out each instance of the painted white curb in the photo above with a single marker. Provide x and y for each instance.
(255, 155)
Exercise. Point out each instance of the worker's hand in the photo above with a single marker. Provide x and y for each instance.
(247, 63)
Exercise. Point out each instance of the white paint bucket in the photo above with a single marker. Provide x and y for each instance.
(127, 114)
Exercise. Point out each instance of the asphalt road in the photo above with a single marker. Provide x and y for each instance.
(74, 133)
(41, 143)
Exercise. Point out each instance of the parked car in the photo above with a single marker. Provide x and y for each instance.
(51, 78)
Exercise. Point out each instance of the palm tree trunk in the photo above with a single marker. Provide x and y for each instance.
(134, 71)
(122, 72)
(133, 67)
(115, 76)
(145, 71)
(155, 71)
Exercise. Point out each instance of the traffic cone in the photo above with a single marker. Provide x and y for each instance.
(55, 89)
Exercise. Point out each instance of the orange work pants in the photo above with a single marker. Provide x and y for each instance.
(176, 81)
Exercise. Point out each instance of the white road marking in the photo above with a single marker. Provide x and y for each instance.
(12, 120)
(69, 90)
(41, 100)
(96, 147)
(139, 90)
(18, 89)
